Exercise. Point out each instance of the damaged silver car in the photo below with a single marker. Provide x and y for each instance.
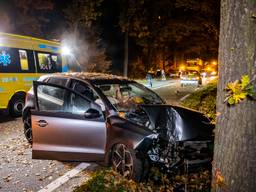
(113, 121)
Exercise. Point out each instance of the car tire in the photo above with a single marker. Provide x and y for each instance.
(125, 162)
(28, 128)
(16, 104)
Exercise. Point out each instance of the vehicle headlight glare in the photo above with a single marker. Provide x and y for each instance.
(66, 50)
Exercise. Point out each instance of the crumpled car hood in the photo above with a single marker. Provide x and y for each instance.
(181, 123)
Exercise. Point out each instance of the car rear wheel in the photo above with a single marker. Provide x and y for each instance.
(28, 128)
(125, 162)
(16, 104)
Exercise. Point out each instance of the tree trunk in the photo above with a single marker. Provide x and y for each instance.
(126, 54)
(235, 133)
(164, 56)
(178, 59)
(149, 57)
(175, 60)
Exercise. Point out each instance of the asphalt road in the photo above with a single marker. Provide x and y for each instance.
(18, 172)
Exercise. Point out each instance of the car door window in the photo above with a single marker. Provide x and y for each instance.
(78, 105)
(84, 90)
(50, 98)
(57, 81)
(56, 99)
(89, 93)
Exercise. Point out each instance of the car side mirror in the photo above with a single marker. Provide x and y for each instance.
(92, 113)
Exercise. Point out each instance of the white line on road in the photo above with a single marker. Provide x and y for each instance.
(63, 179)
(161, 86)
(183, 98)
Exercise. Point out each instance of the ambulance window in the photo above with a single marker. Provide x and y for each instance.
(9, 60)
(23, 60)
(48, 62)
(44, 61)
(56, 62)
(13, 60)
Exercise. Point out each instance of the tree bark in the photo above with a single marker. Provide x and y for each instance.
(126, 54)
(149, 56)
(178, 59)
(235, 133)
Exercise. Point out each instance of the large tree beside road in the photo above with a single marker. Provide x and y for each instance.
(234, 167)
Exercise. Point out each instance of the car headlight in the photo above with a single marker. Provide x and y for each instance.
(150, 138)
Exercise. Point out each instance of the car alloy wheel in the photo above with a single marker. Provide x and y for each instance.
(28, 128)
(122, 160)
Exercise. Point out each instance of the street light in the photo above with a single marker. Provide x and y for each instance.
(65, 50)
(182, 67)
(214, 62)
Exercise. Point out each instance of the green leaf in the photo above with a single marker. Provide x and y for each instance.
(251, 92)
(245, 81)
(234, 86)
(231, 101)
(239, 90)
(239, 97)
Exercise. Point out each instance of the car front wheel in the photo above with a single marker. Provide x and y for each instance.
(125, 162)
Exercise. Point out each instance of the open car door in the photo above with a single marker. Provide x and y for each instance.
(66, 125)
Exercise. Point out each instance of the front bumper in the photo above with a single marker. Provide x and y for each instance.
(189, 82)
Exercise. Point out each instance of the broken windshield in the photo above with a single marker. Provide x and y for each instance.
(125, 95)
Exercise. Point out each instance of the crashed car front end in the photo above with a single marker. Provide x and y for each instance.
(181, 138)
(165, 135)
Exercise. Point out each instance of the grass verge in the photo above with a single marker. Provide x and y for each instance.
(203, 100)
(107, 180)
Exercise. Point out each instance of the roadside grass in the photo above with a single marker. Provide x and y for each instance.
(107, 180)
(203, 100)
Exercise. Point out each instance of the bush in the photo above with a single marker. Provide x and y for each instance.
(107, 180)
(203, 100)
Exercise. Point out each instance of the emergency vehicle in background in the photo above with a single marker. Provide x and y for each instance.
(22, 60)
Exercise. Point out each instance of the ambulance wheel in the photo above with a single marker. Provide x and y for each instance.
(16, 104)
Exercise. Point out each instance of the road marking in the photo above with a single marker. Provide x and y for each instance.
(162, 86)
(63, 179)
(183, 98)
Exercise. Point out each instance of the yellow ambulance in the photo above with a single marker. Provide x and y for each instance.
(22, 60)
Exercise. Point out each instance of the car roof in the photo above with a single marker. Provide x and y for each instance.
(92, 77)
